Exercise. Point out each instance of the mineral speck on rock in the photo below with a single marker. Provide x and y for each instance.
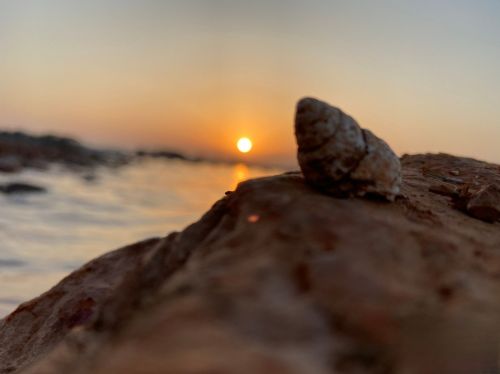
(339, 157)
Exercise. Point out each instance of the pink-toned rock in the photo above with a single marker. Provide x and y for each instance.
(280, 278)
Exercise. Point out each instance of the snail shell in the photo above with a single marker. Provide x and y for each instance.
(338, 156)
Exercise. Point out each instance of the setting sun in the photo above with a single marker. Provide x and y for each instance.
(244, 145)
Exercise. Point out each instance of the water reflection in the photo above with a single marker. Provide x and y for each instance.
(241, 173)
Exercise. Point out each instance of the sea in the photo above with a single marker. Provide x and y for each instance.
(83, 214)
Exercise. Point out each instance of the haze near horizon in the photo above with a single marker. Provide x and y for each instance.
(196, 76)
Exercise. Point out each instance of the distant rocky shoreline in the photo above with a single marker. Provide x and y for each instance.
(19, 151)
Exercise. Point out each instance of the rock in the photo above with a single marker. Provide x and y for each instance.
(162, 154)
(10, 164)
(339, 157)
(485, 204)
(89, 177)
(280, 278)
(18, 150)
(35, 327)
(15, 188)
(444, 189)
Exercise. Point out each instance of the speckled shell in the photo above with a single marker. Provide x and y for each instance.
(339, 157)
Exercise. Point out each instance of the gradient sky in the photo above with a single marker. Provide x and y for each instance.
(194, 75)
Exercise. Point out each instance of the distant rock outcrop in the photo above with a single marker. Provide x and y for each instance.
(280, 278)
(19, 187)
(169, 155)
(19, 150)
(10, 163)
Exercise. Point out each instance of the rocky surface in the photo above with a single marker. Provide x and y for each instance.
(485, 203)
(280, 278)
(339, 157)
(36, 326)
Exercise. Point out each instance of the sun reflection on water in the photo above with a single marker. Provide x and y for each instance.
(240, 174)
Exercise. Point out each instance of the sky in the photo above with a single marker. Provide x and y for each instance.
(195, 75)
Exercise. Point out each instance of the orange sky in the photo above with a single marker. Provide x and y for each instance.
(196, 75)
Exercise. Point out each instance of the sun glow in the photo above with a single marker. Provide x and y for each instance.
(244, 145)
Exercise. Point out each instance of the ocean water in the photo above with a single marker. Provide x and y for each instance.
(43, 237)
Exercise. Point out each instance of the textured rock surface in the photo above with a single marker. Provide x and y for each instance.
(35, 327)
(485, 204)
(278, 278)
(339, 157)
(473, 186)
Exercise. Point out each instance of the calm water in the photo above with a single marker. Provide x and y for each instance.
(45, 236)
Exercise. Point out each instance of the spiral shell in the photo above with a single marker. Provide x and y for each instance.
(339, 157)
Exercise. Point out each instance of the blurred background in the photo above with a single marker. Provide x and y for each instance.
(196, 74)
(183, 80)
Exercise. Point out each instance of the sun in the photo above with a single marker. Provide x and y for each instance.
(244, 145)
